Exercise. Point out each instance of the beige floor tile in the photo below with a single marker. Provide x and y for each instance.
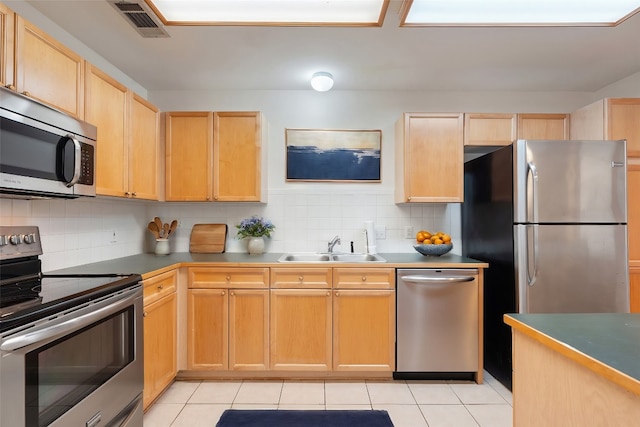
(502, 390)
(447, 416)
(492, 415)
(433, 394)
(253, 406)
(303, 407)
(310, 393)
(265, 392)
(390, 392)
(346, 393)
(404, 415)
(348, 407)
(199, 415)
(162, 414)
(475, 394)
(179, 392)
(216, 392)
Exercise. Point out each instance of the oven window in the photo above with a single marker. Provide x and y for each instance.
(61, 374)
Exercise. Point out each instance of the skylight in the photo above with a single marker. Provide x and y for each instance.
(271, 12)
(517, 12)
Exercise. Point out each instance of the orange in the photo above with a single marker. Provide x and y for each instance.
(420, 236)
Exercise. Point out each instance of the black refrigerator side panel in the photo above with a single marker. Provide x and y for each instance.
(487, 235)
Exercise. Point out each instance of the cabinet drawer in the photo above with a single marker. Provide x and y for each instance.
(158, 286)
(363, 278)
(246, 278)
(301, 278)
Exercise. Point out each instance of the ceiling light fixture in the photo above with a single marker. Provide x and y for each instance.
(322, 81)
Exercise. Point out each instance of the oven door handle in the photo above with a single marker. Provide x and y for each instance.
(45, 332)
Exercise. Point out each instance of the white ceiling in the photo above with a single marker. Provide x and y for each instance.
(386, 58)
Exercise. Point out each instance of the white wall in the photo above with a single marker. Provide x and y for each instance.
(307, 215)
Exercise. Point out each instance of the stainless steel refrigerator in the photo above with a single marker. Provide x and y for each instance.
(550, 218)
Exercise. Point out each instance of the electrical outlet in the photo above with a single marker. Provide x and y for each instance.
(408, 232)
(381, 232)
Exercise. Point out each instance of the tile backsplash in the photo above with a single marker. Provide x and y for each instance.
(82, 231)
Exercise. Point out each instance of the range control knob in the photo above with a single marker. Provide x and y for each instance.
(15, 239)
(4, 240)
(30, 238)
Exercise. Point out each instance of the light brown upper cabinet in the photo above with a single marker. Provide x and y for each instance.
(429, 158)
(106, 108)
(189, 156)
(543, 126)
(489, 129)
(238, 157)
(7, 32)
(127, 137)
(609, 118)
(144, 150)
(215, 156)
(48, 71)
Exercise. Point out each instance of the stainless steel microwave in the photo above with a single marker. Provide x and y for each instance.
(44, 152)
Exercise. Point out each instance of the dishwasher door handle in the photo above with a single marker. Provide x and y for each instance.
(426, 280)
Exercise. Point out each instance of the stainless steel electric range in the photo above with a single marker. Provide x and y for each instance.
(71, 350)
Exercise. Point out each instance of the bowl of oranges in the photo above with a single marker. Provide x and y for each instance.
(433, 244)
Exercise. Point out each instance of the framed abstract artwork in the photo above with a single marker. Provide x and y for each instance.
(333, 155)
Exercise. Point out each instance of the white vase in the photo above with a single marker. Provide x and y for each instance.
(162, 246)
(256, 245)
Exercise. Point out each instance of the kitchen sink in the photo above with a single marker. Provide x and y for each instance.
(326, 257)
(302, 257)
(357, 258)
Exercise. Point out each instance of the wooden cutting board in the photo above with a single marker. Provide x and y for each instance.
(208, 238)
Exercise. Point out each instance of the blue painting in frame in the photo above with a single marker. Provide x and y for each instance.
(333, 155)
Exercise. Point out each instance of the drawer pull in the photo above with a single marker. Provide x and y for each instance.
(364, 278)
(160, 287)
(228, 278)
(301, 278)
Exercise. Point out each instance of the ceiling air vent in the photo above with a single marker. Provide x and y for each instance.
(141, 17)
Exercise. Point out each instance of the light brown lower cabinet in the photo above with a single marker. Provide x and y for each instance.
(228, 327)
(364, 330)
(634, 289)
(291, 319)
(160, 335)
(300, 329)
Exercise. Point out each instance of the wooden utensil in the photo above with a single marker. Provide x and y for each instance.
(153, 228)
(165, 229)
(158, 222)
(173, 226)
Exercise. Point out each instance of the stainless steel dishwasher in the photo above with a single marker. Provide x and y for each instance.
(437, 328)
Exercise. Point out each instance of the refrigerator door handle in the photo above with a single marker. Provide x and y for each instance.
(531, 278)
(534, 190)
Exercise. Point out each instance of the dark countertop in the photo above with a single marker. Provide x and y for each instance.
(148, 263)
(611, 339)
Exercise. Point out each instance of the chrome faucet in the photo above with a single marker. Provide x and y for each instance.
(332, 243)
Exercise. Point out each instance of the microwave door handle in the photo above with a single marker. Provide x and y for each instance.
(77, 159)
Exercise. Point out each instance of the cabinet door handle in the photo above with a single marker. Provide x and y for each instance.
(144, 314)
(222, 293)
(233, 294)
(328, 294)
(10, 87)
(134, 194)
(337, 293)
(26, 93)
